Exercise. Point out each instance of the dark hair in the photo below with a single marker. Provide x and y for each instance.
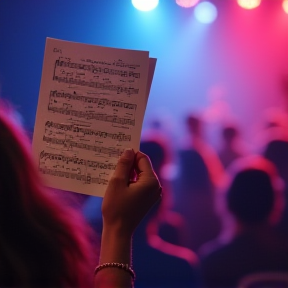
(194, 174)
(194, 124)
(43, 243)
(250, 196)
(229, 133)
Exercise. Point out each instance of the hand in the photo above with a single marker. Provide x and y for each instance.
(126, 202)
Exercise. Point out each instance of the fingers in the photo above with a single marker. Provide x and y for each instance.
(125, 203)
(143, 163)
(124, 165)
(147, 176)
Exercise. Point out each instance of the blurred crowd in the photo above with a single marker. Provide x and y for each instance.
(223, 215)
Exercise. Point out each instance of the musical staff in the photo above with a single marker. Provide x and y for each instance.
(97, 69)
(112, 152)
(84, 178)
(97, 85)
(86, 131)
(76, 160)
(91, 115)
(118, 63)
(99, 101)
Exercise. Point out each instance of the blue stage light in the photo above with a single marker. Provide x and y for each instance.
(145, 5)
(205, 12)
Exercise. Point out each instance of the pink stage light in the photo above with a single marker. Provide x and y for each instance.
(285, 6)
(187, 3)
(249, 4)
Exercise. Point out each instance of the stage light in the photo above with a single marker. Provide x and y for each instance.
(249, 4)
(187, 3)
(145, 5)
(285, 6)
(205, 12)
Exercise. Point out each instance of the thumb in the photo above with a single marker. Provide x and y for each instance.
(143, 164)
(124, 165)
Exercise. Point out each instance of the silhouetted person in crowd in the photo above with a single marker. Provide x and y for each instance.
(254, 197)
(197, 141)
(273, 125)
(200, 171)
(230, 150)
(277, 152)
(162, 264)
(174, 263)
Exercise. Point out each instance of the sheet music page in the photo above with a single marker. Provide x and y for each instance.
(91, 107)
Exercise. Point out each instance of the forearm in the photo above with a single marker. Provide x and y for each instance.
(124, 205)
(115, 248)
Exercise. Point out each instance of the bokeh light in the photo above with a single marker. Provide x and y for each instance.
(249, 4)
(145, 5)
(205, 12)
(187, 3)
(285, 6)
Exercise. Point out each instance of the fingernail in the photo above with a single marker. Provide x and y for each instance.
(128, 152)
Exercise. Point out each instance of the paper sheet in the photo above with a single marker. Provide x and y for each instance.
(91, 107)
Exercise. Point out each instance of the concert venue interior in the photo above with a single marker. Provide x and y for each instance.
(235, 63)
(225, 61)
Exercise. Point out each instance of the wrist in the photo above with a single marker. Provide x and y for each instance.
(118, 228)
(116, 246)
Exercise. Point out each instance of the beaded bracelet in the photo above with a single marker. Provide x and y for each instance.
(125, 267)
